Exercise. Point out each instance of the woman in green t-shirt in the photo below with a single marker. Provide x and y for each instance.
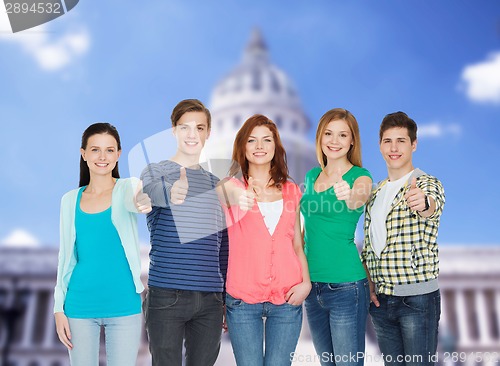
(333, 201)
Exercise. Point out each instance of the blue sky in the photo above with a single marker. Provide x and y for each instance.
(129, 64)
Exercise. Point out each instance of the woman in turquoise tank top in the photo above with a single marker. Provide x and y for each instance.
(98, 274)
(332, 203)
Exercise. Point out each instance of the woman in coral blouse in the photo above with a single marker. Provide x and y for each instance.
(267, 274)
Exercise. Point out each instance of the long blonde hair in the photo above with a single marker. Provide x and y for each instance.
(354, 153)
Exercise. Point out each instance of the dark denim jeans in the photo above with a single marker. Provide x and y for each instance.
(407, 328)
(249, 337)
(337, 314)
(172, 315)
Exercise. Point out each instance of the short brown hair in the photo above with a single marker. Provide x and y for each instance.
(279, 168)
(189, 105)
(398, 120)
(354, 153)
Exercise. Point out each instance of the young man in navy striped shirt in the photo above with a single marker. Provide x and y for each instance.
(189, 248)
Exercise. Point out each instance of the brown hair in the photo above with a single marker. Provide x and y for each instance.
(354, 153)
(279, 168)
(398, 120)
(189, 105)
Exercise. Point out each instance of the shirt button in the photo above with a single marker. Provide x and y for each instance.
(272, 239)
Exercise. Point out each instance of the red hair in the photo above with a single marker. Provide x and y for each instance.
(279, 167)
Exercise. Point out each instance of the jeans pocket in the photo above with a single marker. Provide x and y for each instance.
(162, 299)
(218, 297)
(341, 286)
(231, 302)
(418, 302)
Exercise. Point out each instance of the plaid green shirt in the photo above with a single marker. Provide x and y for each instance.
(410, 256)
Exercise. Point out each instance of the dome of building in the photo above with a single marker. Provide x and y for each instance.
(255, 80)
(257, 86)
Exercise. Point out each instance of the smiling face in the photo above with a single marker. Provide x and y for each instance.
(397, 149)
(101, 154)
(191, 132)
(336, 140)
(260, 146)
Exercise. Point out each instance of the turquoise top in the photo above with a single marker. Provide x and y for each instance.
(101, 285)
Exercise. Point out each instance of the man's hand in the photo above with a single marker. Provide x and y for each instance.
(415, 197)
(179, 189)
(373, 294)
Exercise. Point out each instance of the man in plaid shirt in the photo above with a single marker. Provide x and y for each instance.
(400, 251)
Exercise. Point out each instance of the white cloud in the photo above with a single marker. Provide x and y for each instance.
(437, 130)
(20, 238)
(50, 52)
(482, 80)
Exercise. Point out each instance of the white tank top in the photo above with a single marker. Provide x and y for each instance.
(271, 213)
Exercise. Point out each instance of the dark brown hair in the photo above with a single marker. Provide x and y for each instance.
(398, 120)
(279, 168)
(97, 129)
(189, 105)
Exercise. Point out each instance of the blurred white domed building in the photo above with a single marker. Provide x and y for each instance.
(256, 86)
(469, 278)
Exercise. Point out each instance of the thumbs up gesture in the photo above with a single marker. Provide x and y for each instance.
(179, 189)
(341, 187)
(141, 200)
(247, 196)
(415, 197)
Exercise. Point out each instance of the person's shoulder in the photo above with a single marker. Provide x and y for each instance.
(210, 175)
(359, 171)
(290, 185)
(70, 197)
(164, 164)
(70, 194)
(423, 176)
(125, 183)
(314, 172)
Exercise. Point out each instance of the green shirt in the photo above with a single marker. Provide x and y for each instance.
(329, 226)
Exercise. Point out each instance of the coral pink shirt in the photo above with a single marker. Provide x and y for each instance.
(263, 267)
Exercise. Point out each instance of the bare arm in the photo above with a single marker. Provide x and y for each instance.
(298, 293)
(360, 192)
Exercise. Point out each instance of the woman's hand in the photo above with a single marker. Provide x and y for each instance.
(298, 293)
(142, 201)
(63, 331)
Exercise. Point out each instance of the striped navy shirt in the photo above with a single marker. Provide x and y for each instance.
(189, 244)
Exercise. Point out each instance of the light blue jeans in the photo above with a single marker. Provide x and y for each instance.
(257, 345)
(122, 336)
(337, 314)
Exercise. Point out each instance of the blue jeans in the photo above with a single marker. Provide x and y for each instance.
(122, 335)
(255, 344)
(337, 314)
(174, 315)
(407, 328)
